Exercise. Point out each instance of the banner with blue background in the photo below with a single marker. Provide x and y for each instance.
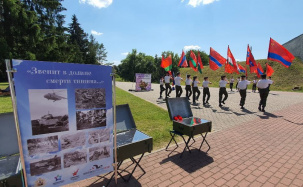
(65, 119)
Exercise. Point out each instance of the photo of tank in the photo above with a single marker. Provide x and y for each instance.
(98, 153)
(72, 140)
(98, 136)
(91, 119)
(90, 98)
(74, 158)
(42, 145)
(45, 166)
(48, 115)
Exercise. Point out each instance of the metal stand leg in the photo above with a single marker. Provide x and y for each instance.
(186, 145)
(137, 164)
(111, 178)
(172, 138)
(204, 140)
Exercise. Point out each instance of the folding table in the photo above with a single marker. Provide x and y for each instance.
(189, 125)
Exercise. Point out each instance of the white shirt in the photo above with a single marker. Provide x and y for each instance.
(178, 81)
(254, 81)
(242, 85)
(196, 83)
(205, 84)
(232, 80)
(222, 83)
(161, 82)
(188, 81)
(167, 79)
(264, 83)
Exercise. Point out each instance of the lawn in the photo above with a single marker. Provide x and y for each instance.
(149, 118)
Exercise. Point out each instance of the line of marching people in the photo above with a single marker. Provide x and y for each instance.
(191, 88)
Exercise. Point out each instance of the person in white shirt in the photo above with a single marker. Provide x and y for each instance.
(222, 91)
(231, 83)
(161, 87)
(238, 80)
(179, 90)
(269, 78)
(206, 90)
(188, 87)
(263, 91)
(254, 86)
(167, 84)
(242, 87)
(195, 89)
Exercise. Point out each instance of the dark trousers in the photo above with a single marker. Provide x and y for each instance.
(168, 87)
(179, 91)
(206, 93)
(237, 86)
(188, 91)
(161, 90)
(196, 90)
(243, 97)
(231, 85)
(263, 97)
(222, 92)
(254, 87)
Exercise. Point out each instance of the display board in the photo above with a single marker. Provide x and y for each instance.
(143, 82)
(66, 120)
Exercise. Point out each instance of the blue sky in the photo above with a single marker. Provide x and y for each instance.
(154, 26)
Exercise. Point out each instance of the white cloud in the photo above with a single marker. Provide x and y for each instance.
(125, 54)
(195, 3)
(97, 3)
(188, 47)
(96, 33)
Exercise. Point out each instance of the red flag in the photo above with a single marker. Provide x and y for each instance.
(215, 59)
(250, 60)
(200, 65)
(231, 61)
(228, 68)
(193, 61)
(259, 70)
(245, 71)
(183, 61)
(166, 63)
(269, 70)
(278, 53)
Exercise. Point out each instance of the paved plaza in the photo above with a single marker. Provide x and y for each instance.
(248, 147)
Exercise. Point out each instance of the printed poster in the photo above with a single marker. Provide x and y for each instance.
(143, 82)
(66, 120)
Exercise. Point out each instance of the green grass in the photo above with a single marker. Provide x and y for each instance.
(284, 78)
(149, 118)
(3, 85)
(5, 104)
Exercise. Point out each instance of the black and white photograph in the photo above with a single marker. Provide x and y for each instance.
(72, 140)
(42, 145)
(48, 110)
(90, 98)
(45, 166)
(91, 119)
(98, 136)
(74, 158)
(97, 153)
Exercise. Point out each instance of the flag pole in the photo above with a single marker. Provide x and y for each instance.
(10, 71)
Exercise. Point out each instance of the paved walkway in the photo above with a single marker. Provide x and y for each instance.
(229, 115)
(249, 148)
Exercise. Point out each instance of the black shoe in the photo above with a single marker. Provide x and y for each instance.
(259, 109)
(207, 102)
(220, 105)
(204, 103)
(263, 109)
(160, 97)
(242, 107)
(223, 102)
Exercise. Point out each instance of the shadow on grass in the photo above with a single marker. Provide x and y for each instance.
(190, 162)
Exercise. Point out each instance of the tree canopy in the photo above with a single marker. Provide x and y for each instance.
(34, 30)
